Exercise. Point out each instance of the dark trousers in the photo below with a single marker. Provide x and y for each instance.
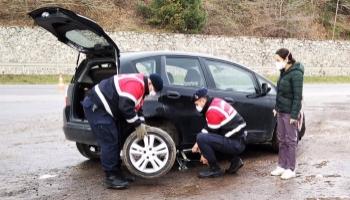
(209, 143)
(287, 135)
(106, 132)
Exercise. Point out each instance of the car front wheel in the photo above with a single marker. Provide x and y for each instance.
(150, 157)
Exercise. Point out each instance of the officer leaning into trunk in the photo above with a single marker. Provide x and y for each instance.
(225, 133)
(114, 99)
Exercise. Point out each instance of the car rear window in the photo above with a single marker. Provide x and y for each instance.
(86, 38)
(146, 67)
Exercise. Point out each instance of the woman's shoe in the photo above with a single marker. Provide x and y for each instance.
(288, 174)
(278, 171)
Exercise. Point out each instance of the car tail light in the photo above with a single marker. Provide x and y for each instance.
(66, 99)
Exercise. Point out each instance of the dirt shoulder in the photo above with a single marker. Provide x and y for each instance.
(35, 146)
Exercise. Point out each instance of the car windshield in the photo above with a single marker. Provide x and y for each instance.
(86, 38)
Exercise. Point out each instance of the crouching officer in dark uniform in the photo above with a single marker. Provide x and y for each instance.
(118, 98)
(225, 133)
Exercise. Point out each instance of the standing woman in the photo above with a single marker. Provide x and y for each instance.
(287, 109)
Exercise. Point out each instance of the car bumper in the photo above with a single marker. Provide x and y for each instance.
(78, 131)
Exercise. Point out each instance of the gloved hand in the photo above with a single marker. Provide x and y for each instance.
(141, 131)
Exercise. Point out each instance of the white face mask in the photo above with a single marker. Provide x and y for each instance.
(199, 108)
(280, 65)
(152, 93)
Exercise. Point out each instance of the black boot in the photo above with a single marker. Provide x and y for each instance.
(213, 171)
(116, 182)
(128, 177)
(236, 164)
(125, 175)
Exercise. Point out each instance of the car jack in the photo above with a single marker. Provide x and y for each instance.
(182, 159)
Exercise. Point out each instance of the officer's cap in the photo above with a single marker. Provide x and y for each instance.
(157, 82)
(203, 92)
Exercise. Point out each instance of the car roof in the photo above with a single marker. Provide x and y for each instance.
(142, 54)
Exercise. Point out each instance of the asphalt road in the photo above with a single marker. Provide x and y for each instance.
(36, 162)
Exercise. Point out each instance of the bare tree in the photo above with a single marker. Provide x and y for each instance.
(335, 19)
(281, 6)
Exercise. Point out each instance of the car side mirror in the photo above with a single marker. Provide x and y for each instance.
(265, 89)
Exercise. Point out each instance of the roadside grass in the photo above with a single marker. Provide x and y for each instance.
(318, 79)
(33, 79)
(54, 79)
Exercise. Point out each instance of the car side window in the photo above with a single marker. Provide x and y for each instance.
(230, 77)
(147, 66)
(184, 72)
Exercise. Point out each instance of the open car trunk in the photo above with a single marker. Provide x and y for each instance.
(87, 37)
(76, 31)
(95, 71)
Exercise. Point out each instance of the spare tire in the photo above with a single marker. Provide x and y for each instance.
(150, 157)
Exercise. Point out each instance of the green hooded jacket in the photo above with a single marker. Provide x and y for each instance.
(290, 90)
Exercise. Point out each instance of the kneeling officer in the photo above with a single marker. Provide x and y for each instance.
(118, 98)
(225, 133)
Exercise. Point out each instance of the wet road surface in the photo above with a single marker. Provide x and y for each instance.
(36, 162)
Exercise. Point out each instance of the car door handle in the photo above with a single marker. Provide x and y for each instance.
(253, 96)
(229, 100)
(173, 95)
